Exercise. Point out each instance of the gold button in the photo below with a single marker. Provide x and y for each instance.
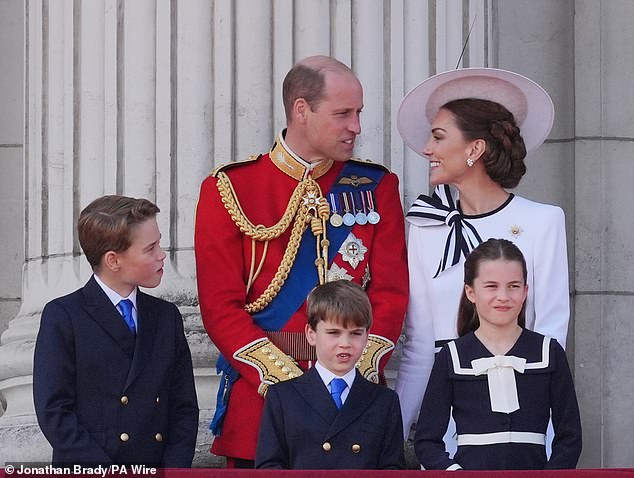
(158, 437)
(286, 370)
(356, 448)
(273, 357)
(124, 437)
(292, 375)
(124, 400)
(265, 350)
(158, 400)
(326, 446)
(279, 363)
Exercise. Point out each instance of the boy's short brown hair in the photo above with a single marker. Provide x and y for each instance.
(342, 301)
(106, 224)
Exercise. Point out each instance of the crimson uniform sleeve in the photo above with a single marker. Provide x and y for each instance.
(221, 282)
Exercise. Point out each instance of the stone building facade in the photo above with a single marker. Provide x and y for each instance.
(146, 97)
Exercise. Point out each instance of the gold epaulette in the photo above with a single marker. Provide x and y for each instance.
(272, 364)
(368, 364)
(369, 163)
(233, 164)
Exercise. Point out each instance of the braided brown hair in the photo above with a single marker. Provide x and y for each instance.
(492, 122)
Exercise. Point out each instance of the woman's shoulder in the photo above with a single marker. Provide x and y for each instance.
(530, 205)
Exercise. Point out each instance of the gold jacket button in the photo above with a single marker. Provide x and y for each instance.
(158, 437)
(356, 448)
(326, 446)
(124, 400)
(124, 437)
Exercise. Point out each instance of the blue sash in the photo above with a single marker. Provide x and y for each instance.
(302, 278)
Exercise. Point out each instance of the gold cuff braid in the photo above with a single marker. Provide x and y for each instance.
(272, 364)
(368, 364)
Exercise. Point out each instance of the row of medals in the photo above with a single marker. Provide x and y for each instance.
(358, 208)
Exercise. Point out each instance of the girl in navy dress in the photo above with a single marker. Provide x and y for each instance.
(500, 381)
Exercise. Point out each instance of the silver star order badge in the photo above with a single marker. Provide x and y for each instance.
(516, 230)
(338, 273)
(312, 200)
(352, 250)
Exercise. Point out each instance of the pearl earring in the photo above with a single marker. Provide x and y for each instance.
(470, 162)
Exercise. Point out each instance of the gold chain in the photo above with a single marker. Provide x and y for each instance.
(306, 205)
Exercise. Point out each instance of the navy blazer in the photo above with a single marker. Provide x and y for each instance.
(303, 429)
(102, 396)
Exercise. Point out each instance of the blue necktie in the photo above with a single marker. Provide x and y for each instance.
(337, 386)
(125, 306)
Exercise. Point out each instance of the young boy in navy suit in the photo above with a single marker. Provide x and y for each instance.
(112, 378)
(331, 416)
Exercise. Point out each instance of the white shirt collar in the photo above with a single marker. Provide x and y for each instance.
(327, 376)
(114, 297)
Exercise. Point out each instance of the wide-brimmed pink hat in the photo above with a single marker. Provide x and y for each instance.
(530, 104)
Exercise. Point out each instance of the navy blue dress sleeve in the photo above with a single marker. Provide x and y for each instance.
(434, 416)
(566, 447)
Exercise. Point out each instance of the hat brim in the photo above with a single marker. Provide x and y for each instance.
(530, 104)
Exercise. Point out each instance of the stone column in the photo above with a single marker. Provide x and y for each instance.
(604, 146)
(146, 97)
(102, 118)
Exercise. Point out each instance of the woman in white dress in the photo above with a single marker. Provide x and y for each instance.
(475, 127)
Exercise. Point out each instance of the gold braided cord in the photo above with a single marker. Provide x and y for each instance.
(259, 233)
(306, 205)
(254, 275)
(252, 268)
(284, 268)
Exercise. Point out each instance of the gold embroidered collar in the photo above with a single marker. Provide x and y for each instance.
(293, 165)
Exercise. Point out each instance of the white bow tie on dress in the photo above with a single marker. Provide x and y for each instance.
(500, 372)
(441, 208)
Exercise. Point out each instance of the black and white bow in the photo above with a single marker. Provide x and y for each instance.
(441, 208)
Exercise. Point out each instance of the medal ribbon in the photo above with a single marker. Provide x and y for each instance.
(346, 204)
(333, 203)
(369, 201)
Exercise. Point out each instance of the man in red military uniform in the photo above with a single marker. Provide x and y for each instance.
(270, 228)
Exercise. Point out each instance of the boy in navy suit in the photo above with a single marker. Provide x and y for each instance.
(112, 378)
(331, 416)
